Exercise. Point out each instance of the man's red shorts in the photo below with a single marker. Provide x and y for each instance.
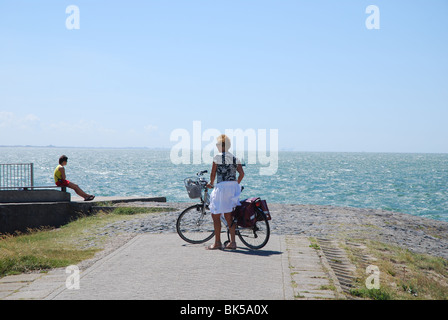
(62, 183)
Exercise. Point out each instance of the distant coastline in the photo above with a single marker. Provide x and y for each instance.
(72, 147)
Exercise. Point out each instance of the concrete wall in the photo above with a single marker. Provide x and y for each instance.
(20, 217)
(27, 196)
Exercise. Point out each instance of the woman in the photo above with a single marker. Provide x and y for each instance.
(61, 181)
(225, 196)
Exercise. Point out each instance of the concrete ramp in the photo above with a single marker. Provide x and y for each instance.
(164, 267)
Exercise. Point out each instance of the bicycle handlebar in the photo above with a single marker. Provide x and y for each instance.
(200, 173)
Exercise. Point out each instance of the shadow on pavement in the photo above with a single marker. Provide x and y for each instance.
(242, 250)
(261, 253)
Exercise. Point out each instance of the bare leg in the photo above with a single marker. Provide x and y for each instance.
(217, 227)
(232, 244)
(78, 190)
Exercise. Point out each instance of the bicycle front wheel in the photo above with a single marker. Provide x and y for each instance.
(257, 236)
(195, 225)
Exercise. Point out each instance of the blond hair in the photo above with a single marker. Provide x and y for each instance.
(224, 141)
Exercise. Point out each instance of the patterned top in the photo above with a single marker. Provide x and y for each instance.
(226, 166)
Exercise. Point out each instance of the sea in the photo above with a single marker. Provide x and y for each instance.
(412, 183)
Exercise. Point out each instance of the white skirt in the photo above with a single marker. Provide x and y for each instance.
(225, 197)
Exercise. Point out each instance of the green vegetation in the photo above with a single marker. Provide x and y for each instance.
(43, 249)
(313, 243)
(327, 287)
(375, 294)
(404, 275)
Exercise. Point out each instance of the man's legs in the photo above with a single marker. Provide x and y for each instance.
(78, 190)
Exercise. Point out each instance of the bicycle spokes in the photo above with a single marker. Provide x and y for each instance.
(255, 237)
(200, 220)
(194, 225)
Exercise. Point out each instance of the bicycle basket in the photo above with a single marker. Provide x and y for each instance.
(193, 188)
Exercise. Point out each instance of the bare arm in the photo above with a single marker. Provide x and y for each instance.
(62, 169)
(240, 170)
(212, 175)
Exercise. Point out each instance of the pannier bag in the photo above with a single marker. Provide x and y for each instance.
(246, 213)
(193, 188)
(264, 207)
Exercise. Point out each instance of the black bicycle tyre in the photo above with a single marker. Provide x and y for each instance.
(268, 233)
(182, 233)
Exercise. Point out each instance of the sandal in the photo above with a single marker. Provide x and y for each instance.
(231, 246)
(214, 247)
(89, 198)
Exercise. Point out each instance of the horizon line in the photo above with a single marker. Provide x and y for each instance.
(168, 148)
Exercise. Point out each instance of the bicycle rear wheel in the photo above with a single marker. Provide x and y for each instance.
(195, 226)
(257, 236)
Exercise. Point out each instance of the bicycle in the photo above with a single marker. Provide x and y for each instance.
(194, 224)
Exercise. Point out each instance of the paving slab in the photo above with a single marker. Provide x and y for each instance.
(25, 277)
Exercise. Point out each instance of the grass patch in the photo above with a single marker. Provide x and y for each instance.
(404, 275)
(313, 243)
(327, 287)
(44, 249)
(375, 294)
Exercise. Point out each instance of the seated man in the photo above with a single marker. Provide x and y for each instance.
(61, 181)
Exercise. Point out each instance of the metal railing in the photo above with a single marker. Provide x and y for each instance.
(16, 175)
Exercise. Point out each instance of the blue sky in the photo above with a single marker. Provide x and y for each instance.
(137, 70)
